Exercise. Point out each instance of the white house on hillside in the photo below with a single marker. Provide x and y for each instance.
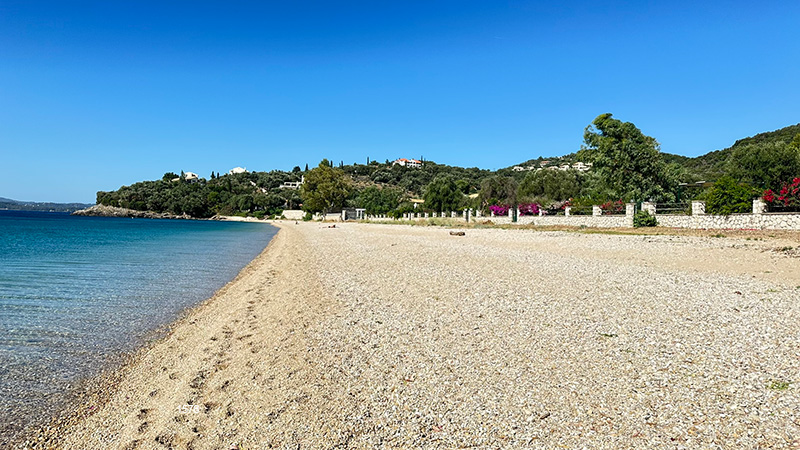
(293, 184)
(190, 176)
(408, 162)
(236, 170)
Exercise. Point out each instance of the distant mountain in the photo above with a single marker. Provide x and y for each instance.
(16, 205)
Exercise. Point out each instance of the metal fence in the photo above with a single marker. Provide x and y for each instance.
(614, 211)
(675, 209)
(581, 211)
(783, 208)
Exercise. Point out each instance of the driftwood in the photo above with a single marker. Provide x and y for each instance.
(457, 233)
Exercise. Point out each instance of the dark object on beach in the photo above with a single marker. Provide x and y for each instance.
(457, 233)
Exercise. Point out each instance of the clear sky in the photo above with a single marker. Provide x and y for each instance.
(94, 95)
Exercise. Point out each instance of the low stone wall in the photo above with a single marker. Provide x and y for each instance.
(294, 214)
(775, 221)
(616, 221)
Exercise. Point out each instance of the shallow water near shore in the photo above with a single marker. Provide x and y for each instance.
(77, 292)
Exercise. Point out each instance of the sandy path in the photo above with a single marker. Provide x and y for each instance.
(368, 336)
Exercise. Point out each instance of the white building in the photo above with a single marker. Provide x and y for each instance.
(293, 184)
(408, 162)
(190, 176)
(236, 170)
(582, 167)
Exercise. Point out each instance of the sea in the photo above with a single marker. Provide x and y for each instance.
(77, 293)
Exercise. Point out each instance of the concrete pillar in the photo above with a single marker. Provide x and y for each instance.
(567, 210)
(511, 213)
(491, 213)
(597, 211)
(466, 215)
(344, 215)
(426, 215)
(759, 206)
(698, 208)
(541, 213)
(453, 214)
(478, 213)
(630, 209)
(649, 207)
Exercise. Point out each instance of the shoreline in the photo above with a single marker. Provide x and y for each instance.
(92, 393)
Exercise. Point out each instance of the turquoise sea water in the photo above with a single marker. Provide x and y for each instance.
(76, 292)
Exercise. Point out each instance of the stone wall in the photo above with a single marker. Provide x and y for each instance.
(294, 214)
(776, 221)
(617, 221)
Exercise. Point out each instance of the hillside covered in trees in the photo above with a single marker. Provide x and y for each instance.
(626, 165)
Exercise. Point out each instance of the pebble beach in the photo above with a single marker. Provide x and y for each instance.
(396, 336)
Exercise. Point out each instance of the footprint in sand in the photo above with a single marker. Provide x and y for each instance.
(132, 445)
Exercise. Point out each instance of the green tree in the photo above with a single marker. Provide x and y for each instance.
(378, 200)
(628, 163)
(547, 186)
(498, 189)
(325, 188)
(442, 194)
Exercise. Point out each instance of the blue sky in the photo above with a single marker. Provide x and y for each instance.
(94, 95)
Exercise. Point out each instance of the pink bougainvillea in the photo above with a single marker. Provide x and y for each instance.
(528, 209)
(499, 210)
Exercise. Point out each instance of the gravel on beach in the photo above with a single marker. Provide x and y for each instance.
(387, 336)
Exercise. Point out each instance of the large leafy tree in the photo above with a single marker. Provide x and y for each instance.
(325, 188)
(498, 189)
(551, 185)
(442, 194)
(627, 163)
(378, 200)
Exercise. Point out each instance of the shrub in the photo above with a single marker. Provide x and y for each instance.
(308, 216)
(644, 219)
(729, 197)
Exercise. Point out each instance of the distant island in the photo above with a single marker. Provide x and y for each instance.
(16, 205)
